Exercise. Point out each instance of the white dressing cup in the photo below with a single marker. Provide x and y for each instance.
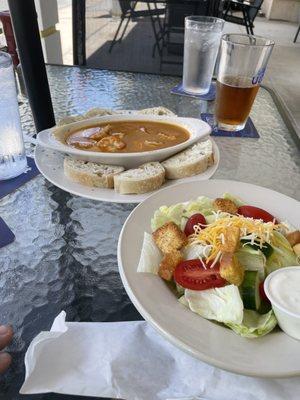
(282, 287)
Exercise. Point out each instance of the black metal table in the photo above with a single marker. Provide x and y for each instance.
(64, 256)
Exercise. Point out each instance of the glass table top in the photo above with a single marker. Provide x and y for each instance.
(64, 255)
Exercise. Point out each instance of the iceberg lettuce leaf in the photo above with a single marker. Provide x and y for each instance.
(213, 217)
(221, 304)
(254, 324)
(183, 301)
(150, 257)
(194, 251)
(283, 254)
(252, 260)
(165, 214)
(202, 204)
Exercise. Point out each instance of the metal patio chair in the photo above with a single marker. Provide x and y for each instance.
(173, 30)
(249, 10)
(296, 36)
(129, 12)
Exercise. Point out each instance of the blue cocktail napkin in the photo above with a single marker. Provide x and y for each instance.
(6, 235)
(248, 132)
(10, 185)
(178, 89)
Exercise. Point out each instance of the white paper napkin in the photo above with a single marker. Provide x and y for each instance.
(129, 360)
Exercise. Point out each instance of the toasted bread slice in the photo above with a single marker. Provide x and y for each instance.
(168, 264)
(192, 161)
(98, 112)
(94, 112)
(144, 179)
(69, 120)
(156, 111)
(90, 173)
(169, 238)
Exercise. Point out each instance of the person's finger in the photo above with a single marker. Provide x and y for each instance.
(6, 334)
(5, 360)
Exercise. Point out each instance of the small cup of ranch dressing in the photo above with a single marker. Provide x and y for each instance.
(282, 288)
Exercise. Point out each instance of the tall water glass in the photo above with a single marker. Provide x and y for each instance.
(243, 61)
(201, 43)
(12, 153)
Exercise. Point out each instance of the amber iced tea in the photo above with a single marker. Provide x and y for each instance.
(234, 101)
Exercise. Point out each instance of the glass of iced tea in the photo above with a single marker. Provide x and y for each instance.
(242, 65)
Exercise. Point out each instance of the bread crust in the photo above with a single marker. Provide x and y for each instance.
(138, 185)
(90, 178)
(157, 111)
(177, 168)
(187, 170)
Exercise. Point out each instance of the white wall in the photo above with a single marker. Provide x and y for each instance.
(285, 10)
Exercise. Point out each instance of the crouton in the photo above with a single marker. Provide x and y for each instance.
(296, 249)
(231, 270)
(169, 238)
(225, 205)
(231, 239)
(168, 264)
(293, 237)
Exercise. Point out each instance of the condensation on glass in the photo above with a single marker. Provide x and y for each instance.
(12, 154)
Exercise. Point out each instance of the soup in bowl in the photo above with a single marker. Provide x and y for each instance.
(126, 140)
(128, 136)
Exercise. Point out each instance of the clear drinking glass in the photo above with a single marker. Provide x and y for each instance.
(201, 43)
(12, 153)
(243, 61)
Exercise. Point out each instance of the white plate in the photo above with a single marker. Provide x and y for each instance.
(274, 355)
(50, 164)
(196, 128)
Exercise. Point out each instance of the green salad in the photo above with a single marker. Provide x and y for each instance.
(216, 253)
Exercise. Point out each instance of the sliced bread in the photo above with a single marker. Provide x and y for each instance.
(192, 161)
(98, 112)
(144, 179)
(94, 112)
(156, 111)
(70, 119)
(90, 173)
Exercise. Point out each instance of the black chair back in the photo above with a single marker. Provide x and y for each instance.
(124, 5)
(178, 10)
(254, 10)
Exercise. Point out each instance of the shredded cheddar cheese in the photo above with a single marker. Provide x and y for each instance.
(253, 230)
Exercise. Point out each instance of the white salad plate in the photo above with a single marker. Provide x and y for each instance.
(273, 355)
(50, 164)
(197, 129)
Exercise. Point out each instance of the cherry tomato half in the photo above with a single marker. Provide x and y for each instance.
(192, 221)
(256, 213)
(191, 274)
